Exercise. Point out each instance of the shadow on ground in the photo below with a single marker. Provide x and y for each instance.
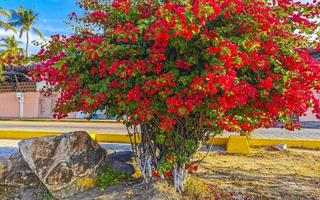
(5, 152)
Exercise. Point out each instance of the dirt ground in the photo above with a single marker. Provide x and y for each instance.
(292, 174)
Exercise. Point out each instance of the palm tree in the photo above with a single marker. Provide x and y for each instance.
(25, 19)
(10, 45)
(3, 24)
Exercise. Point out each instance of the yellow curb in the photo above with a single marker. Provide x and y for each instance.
(306, 144)
(63, 120)
(238, 144)
(114, 138)
(93, 136)
(22, 135)
(219, 141)
(121, 138)
(3, 135)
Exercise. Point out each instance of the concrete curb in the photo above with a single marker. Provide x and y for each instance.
(305, 144)
(121, 138)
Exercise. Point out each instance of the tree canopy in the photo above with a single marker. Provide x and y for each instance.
(184, 70)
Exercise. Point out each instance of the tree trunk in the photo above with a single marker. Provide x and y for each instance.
(27, 44)
(151, 153)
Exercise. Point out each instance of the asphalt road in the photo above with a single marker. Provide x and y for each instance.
(64, 126)
(117, 128)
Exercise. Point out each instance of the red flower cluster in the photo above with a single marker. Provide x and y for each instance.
(232, 65)
(219, 67)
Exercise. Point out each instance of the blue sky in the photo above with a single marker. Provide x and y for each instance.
(52, 15)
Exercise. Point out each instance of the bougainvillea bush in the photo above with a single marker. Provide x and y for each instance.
(181, 71)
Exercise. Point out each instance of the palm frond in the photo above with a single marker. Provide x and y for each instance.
(15, 23)
(7, 26)
(38, 32)
(5, 13)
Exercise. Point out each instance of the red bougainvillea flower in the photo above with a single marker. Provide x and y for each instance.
(184, 69)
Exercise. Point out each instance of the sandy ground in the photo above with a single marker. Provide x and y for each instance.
(293, 174)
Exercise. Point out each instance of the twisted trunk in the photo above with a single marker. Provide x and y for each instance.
(150, 153)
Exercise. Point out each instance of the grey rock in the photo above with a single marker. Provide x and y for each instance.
(118, 161)
(121, 166)
(3, 162)
(124, 156)
(3, 165)
(16, 173)
(281, 147)
(64, 164)
(10, 193)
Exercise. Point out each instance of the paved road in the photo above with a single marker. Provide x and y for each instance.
(63, 126)
(306, 133)
(273, 133)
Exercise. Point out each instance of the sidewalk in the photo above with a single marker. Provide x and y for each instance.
(55, 126)
(278, 133)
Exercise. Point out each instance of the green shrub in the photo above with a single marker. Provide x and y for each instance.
(110, 177)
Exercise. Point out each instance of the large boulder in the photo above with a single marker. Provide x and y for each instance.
(15, 172)
(124, 156)
(65, 164)
(120, 161)
(3, 164)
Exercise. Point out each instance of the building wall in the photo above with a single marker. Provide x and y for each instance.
(35, 105)
(309, 116)
(46, 105)
(38, 106)
(31, 104)
(9, 104)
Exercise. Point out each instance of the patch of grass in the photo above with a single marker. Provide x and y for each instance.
(85, 183)
(110, 177)
(166, 188)
(196, 188)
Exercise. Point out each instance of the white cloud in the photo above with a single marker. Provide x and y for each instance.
(51, 29)
(33, 37)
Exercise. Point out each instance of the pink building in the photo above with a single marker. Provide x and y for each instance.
(27, 103)
(30, 103)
